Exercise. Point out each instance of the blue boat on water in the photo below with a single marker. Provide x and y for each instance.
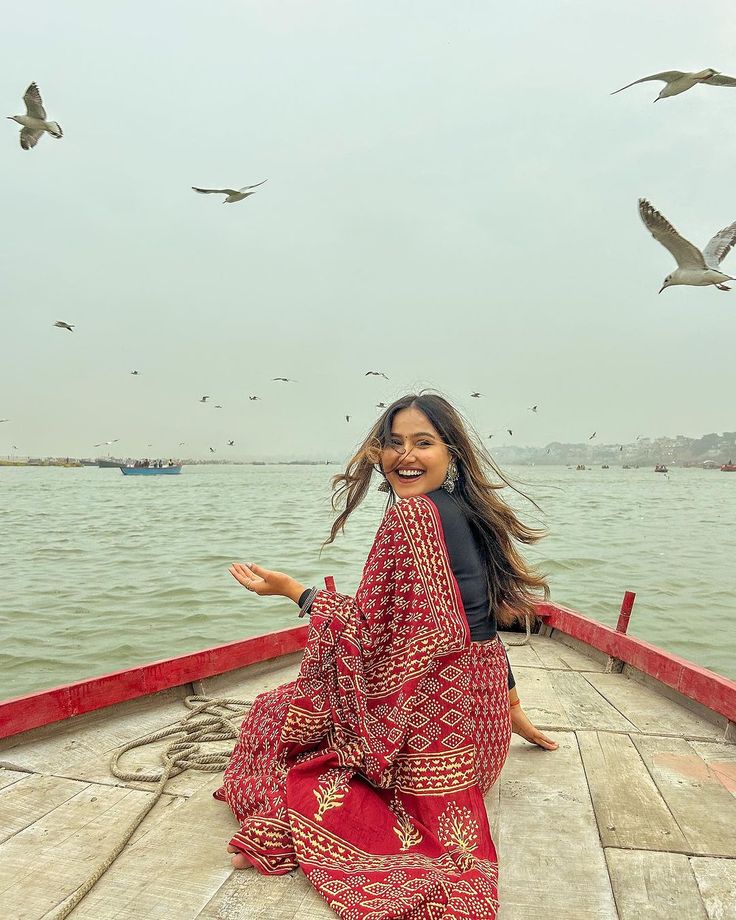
(150, 470)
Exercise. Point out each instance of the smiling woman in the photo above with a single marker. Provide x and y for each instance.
(369, 770)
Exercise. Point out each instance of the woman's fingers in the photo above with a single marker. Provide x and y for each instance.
(545, 742)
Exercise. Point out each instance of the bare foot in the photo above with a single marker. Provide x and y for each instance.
(240, 860)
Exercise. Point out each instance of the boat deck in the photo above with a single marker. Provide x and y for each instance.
(633, 818)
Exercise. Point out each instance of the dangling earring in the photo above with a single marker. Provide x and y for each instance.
(451, 477)
(384, 487)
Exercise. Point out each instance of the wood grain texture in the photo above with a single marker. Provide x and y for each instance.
(629, 808)
(585, 706)
(551, 862)
(654, 886)
(695, 795)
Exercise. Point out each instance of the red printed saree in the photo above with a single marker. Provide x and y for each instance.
(368, 771)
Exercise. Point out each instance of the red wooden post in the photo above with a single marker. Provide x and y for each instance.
(330, 584)
(625, 615)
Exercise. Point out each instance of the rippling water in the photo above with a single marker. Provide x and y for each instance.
(100, 571)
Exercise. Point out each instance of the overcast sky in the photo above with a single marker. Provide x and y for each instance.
(451, 199)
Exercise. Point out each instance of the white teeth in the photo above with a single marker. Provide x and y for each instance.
(414, 473)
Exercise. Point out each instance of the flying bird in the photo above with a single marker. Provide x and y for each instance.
(475, 395)
(204, 399)
(375, 374)
(678, 81)
(593, 435)
(252, 398)
(233, 194)
(4, 420)
(34, 122)
(490, 436)
(135, 373)
(347, 418)
(218, 407)
(212, 449)
(284, 379)
(533, 408)
(693, 266)
(108, 443)
(510, 432)
(380, 405)
(231, 443)
(182, 443)
(62, 325)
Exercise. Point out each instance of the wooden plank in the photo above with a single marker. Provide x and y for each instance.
(559, 656)
(247, 683)
(654, 886)
(8, 777)
(31, 798)
(26, 712)
(721, 758)
(171, 873)
(585, 706)
(712, 690)
(651, 712)
(697, 799)
(540, 700)
(629, 808)
(550, 868)
(520, 656)
(48, 860)
(247, 895)
(716, 880)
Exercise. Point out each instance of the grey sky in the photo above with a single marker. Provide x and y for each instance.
(451, 199)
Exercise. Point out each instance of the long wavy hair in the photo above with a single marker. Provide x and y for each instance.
(513, 587)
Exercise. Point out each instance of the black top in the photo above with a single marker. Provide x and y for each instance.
(468, 568)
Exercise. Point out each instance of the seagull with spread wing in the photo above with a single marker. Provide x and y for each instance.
(679, 81)
(34, 122)
(375, 374)
(233, 194)
(693, 266)
(62, 325)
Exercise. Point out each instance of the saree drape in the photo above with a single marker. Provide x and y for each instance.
(369, 770)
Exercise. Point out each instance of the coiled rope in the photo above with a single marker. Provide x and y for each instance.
(525, 641)
(214, 723)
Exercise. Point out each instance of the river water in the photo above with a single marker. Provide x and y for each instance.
(100, 571)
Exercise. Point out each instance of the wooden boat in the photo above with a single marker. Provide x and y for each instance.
(728, 467)
(580, 466)
(661, 468)
(150, 470)
(632, 817)
(109, 463)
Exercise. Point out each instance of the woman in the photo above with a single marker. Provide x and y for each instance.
(369, 770)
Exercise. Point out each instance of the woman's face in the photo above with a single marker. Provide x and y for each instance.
(415, 460)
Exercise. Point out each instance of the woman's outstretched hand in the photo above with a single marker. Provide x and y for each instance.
(522, 725)
(265, 582)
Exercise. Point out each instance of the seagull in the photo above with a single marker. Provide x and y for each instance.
(218, 407)
(693, 266)
(212, 449)
(380, 405)
(204, 399)
(114, 441)
(375, 374)
(253, 398)
(475, 395)
(34, 121)
(533, 408)
(135, 373)
(593, 435)
(678, 81)
(63, 325)
(284, 379)
(233, 194)
(510, 432)
(231, 443)
(4, 420)
(347, 418)
(490, 436)
(182, 443)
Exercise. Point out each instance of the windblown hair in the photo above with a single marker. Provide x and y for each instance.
(513, 587)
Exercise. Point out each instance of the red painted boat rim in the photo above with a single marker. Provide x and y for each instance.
(44, 707)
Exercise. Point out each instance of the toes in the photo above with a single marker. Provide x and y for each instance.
(241, 861)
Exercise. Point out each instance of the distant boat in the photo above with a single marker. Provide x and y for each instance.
(605, 467)
(109, 464)
(729, 467)
(150, 470)
(661, 468)
(580, 466)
